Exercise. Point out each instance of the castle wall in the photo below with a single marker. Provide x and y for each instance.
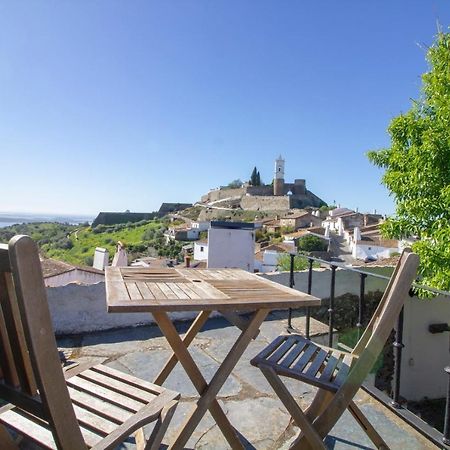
(265, 203)
(260, 190)
(221, 194)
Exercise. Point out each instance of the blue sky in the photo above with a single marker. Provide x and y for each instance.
(114, 105)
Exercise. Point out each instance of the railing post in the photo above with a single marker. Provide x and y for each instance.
(308, 310)
(446, 436)
(291, 285)
(362, 287)
(331, 307)
(398, 346)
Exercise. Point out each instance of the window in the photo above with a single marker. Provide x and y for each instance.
(201, 249)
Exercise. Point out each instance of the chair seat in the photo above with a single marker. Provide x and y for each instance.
(296, 357)
(103, 399)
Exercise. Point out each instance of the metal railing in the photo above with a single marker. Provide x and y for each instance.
(393, 401)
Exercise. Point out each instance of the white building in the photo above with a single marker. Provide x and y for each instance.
(266, 260)
(201, 251)
(231, 245)
(58, 273)
(201, 226)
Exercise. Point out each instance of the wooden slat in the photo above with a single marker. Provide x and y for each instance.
(104, 393)
(21, 358)
(305, 358)
(293, 354)
(133, 291)
(319, 359)
(186, 288)
(331, 364)
(343, 370)
(156, 291)
(167, 291)
(34, 429)
(4, 259)
(270, 348)
(178, 291)
(93, 421)
(102, 407)
(117, 386)
(281, 350)
(131, 380)
(144, 290)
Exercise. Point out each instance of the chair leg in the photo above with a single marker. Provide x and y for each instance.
(161, 425)
(367, 427)
(294, 410)
(319, 404)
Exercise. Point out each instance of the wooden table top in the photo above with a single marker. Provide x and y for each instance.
(137, 289)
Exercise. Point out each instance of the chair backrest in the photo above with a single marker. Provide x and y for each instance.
(383, 320)
(31, 376)
(373, 340)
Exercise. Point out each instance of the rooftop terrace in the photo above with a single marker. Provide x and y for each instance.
(246, 397)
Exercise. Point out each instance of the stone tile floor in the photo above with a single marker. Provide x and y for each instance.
(246, 397)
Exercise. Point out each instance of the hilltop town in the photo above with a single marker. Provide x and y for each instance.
(253, 226)
(249, 225)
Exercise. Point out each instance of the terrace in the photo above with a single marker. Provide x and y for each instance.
(246, 397)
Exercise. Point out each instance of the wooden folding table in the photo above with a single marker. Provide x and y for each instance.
(229, 291)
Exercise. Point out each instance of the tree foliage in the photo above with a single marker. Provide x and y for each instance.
(237, 183)
(311, 243)
(417, 169)
(255, 178)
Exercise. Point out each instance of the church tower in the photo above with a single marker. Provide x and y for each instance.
(278, 179)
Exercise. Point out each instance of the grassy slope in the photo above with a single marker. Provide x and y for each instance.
(85, 241)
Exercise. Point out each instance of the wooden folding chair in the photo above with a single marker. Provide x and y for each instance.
(337, 374)
(91, 407)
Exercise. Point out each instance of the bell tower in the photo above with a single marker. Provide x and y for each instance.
(278, 179)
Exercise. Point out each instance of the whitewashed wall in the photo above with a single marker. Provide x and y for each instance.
(362, 251)
(200, 255)
(80, 276)
(77, 309)
(231, 248)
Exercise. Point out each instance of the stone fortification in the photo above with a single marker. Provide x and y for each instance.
(265, 203)
(279, 196)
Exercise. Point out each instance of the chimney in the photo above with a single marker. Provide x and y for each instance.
(120, 258)
(101, 258)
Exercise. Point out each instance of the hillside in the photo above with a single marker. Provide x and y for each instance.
(76, 244)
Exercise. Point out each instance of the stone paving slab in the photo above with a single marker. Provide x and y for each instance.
(246, 397)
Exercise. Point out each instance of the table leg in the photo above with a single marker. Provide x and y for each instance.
(187, 339)
(208, 396)
(198, 381)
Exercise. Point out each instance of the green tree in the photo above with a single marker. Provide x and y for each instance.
(310, 243)
(417, 169)
(235, 183)
(255, 177)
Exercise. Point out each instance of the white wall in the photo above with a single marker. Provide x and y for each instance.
(201, 226)
(199, 254)
(74, 276)
(81, 309)
(231, 248)
(362, 251)
(425, 355)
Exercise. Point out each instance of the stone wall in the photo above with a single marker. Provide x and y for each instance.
(261, 203)
(221, 194)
